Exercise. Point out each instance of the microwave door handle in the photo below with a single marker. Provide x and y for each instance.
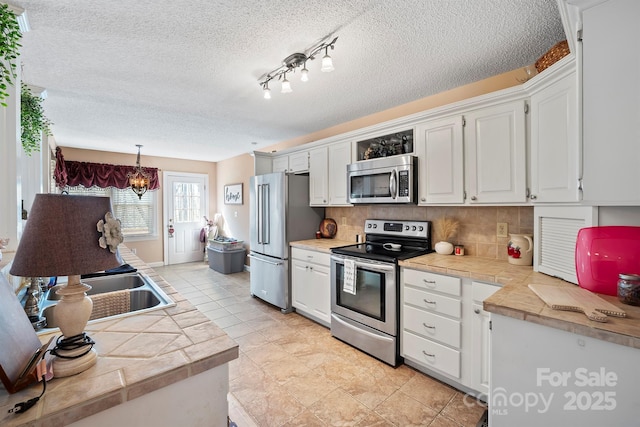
(393, 184)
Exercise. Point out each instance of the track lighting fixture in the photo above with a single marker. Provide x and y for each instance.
(296, 60)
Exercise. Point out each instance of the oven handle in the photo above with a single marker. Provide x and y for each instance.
(359, 330)
(371, 265)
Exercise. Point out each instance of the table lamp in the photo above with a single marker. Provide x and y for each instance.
(68, 236)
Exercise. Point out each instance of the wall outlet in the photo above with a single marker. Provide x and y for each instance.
(343, 220)
(503, 229)
(134, 251)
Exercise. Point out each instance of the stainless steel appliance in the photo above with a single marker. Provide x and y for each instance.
(365, 285)
(383, 180)
(280, 213)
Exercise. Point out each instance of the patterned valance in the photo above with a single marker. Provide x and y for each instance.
(73, 174)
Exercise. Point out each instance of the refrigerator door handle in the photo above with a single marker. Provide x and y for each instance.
(264, 260)
(259, 213)
(266, 215)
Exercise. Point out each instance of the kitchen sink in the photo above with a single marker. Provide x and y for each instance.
(144, 295)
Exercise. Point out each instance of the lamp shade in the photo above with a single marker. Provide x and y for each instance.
(61, 237)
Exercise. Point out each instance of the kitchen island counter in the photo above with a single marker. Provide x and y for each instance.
(517, 301)
(138, 356)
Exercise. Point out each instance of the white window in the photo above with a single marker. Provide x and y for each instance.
(138, 216)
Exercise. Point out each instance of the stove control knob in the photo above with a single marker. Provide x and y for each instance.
(375, 225)
(413, 228)
(420, 228)
(368, 225)
(407, 227)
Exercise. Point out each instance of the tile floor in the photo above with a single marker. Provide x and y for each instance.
(291, 372)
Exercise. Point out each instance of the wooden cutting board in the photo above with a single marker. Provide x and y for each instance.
(577, 299)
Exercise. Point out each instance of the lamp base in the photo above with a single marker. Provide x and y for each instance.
(66, 367)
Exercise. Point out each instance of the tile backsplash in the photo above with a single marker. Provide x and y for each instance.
(477, 229)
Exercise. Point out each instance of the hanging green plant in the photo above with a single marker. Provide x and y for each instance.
(9, 49)
(32, 121)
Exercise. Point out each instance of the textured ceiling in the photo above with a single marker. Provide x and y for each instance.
(181, 77)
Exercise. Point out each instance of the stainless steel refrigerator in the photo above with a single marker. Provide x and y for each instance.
(280, 213)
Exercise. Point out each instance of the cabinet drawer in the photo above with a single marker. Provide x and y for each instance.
(432, 282)
(432, 302)
(431, 354)
(311, 256)
(431, 326)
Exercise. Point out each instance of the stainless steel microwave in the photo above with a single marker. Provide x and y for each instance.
(383, 180)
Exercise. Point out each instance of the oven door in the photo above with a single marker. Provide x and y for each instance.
(375, 300)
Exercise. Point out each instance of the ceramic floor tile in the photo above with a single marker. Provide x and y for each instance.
(292, 372)
(339, 408)
(429, 391)
(402, 410)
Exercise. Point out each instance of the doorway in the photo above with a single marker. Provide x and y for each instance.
(186, 204)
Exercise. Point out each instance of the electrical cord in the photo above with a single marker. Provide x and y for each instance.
(73, 343)
(21, 407)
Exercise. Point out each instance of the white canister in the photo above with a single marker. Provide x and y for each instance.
(520, 249)
(444, 248)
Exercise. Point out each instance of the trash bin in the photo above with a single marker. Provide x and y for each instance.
(226, 262)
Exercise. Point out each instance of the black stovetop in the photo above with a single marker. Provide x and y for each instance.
(374, 250)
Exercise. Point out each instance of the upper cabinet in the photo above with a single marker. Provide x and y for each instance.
(293, 163)
(439, 147)
(339, 158)
(611, 103)
(555, 143)
(328, 174)
(495, 150)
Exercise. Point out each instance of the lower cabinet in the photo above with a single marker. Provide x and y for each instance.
(311, 284)
(445, 332)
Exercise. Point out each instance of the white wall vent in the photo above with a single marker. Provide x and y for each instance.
(555, 233)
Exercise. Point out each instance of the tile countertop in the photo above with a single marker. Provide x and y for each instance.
(137, 355)
(516, 300)
(320, 245)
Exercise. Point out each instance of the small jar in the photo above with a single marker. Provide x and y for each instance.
(458, 250)
(629, 288)
(318, 235)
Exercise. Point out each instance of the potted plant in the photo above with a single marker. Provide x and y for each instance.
(33, 122)
(445, 229)
(9, 49)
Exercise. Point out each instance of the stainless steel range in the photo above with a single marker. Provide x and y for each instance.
(365, 285)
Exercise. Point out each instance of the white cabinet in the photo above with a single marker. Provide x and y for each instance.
(281, 164)
(318, 176)
(311, 284)
(339, 158)
(328, 174)
(495, 151)
(481, 337)
(444, 330)
(555, 144)
(611, 103)
(431, 322)
(439, 147)
(292, 163)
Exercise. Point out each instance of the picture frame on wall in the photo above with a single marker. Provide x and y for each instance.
(233, 194)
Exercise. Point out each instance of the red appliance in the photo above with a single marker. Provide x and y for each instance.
(604, 252)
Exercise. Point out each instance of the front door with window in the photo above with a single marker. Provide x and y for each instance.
(186, 205)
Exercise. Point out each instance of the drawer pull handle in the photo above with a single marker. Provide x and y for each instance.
(428, 327)
(428, 302)
(429, 282)
(476, 311)
(428, 354)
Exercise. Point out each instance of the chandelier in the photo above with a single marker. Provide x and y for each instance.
(138, 179)
(296, 60)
